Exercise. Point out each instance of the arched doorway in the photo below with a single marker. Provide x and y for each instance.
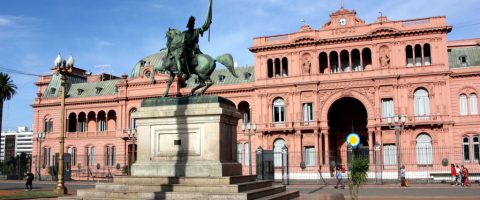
(347, 115)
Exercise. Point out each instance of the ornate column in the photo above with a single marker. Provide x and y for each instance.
(370, 145)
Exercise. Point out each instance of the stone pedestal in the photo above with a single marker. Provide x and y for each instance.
(187, 137)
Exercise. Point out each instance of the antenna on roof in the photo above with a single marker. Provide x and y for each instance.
(343, 3)
(303, 22)
(102, 67)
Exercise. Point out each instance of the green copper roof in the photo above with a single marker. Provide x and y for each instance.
(154, 59)
(245, 75)
(471, 56)
(78, 87)
(53, 88)
(101, 88)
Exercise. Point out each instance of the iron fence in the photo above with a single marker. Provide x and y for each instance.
(423, 165)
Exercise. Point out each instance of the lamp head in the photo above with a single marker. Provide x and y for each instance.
(70, 61)
(58, 60)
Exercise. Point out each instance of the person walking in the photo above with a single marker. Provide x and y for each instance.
(338, 175)
(30, 178)
(403, 180)
(466, 180)
(458, 179)
(453, 172)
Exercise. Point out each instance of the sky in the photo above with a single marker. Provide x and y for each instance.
(121, 32)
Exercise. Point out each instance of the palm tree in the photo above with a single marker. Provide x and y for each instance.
(7, 90)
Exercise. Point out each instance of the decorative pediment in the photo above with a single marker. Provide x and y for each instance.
(382, 30)
(304, 38)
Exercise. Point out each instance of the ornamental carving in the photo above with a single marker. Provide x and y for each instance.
(306, 63)
(384, 57)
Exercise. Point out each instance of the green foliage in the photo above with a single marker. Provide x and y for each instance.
(7, 167)
(358, 174)
(7, 88)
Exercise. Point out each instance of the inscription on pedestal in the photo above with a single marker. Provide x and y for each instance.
(176, 142)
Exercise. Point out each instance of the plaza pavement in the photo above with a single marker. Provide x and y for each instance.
(320, 191)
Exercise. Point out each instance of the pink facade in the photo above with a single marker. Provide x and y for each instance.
(307, 90)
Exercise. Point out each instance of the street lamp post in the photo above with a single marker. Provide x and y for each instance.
(40, 137)
(251, 130)
(132, 133)
(62, 67)
(397, 124)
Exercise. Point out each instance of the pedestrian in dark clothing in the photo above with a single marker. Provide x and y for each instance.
(403, 180)
(30, 177)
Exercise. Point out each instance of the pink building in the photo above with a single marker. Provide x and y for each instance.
(307, 90)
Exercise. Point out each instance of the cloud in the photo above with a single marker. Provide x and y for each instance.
(4, 21)
(105, 44)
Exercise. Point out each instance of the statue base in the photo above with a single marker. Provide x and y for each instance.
(188, 137)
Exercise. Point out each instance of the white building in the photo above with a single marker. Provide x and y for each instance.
(23, 141)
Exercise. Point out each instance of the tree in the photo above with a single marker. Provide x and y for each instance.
(358, 174)
(7, 91)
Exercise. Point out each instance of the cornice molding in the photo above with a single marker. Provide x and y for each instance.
(374, 35)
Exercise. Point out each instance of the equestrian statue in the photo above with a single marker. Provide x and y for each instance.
(184, 57)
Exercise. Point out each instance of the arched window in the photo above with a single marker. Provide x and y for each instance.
(427, 54)
(72, 122)
(279, 110)
(277, 150)
(466, 149)
(356, 60)
(418, 55)
(285, 67)
(476, 148)
(462, 104)
(421, 104)
(366, 58)
(73, 155)
(409, 55)
(110, 152)
(132, 121)
(111, 120)
(239, 153)
(270, 68)
(102, 121)
(91, 160)
(82, 122)
(334, 61)
(277, 68)
(473, 104)
(45, 126)
(48, 125)
(244, 109)
(424, 149)
(345, 60)
(323, 60)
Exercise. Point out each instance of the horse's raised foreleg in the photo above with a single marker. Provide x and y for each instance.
(169, 83)
(200, 85)
(209, 83)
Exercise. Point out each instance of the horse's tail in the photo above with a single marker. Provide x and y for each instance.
(227, 60)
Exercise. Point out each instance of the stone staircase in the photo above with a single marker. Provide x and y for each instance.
(167, 188)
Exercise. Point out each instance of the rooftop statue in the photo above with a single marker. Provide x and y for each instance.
(184, 57)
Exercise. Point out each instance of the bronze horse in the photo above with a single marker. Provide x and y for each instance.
(204, 68)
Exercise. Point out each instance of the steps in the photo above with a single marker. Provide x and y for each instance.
(211, 188)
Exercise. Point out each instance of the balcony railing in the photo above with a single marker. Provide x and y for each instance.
(94, 134)
(423, 119)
